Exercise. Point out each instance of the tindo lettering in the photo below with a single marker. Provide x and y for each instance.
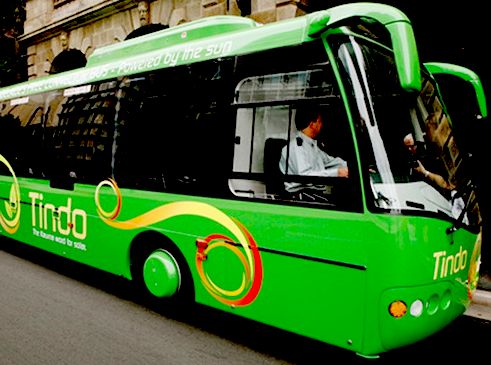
(449, 264)
(62, 219)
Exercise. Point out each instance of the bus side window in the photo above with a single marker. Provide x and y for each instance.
(9, 135)
(80, 132)
(257, 156)
(174, 132)
(267, 105)
(21, 135)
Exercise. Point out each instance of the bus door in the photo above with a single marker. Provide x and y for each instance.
(305, 222)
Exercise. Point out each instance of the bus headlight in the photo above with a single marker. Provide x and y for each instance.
(416, 308)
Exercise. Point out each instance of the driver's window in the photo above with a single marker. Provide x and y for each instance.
(284, 122)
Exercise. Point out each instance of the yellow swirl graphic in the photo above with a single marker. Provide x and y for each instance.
(112, 185)
(12, 207)
(249, 256)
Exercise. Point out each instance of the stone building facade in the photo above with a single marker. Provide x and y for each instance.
(90, 24)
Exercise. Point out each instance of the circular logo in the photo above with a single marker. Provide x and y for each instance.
(10, 215)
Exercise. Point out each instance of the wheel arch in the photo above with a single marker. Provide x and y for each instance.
(149, 241)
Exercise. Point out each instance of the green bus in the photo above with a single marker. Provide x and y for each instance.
(169, 159)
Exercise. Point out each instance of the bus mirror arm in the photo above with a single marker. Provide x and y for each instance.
(406, 55)
(465, 74)
(396, 23)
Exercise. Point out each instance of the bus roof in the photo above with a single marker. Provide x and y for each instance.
(221, 36)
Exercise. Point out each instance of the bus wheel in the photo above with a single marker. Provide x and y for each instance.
(161, 274)
(160, 270)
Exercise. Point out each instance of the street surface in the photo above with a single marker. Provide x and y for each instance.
(55, 313)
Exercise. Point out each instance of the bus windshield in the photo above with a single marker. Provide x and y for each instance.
(410, 159)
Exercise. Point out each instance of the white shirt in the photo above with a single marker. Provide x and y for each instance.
(305, 158)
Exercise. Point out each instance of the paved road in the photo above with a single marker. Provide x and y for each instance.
(54, 313)
(48, 318)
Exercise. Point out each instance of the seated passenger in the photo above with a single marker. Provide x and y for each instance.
(305, 158)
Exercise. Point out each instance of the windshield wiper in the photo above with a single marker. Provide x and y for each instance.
(382, 197)
(459, 222)
(412, 204)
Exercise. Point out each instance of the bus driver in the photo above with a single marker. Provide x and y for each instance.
(305, 158)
